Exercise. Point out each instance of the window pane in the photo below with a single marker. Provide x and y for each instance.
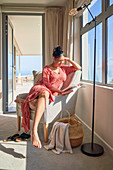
(111, 2)
(110, 51)
(88, 55)
(33, 63)
(95, 4)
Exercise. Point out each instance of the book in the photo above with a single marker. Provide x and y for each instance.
(74, 82)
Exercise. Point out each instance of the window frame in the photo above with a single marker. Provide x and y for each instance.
(107, 11)
(4, 52)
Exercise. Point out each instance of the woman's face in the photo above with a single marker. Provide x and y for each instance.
(58, 61)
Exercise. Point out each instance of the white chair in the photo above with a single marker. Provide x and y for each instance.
(61, 102)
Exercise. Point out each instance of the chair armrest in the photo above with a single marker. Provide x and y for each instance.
(61, 102)
(73, 79)
(22, 95)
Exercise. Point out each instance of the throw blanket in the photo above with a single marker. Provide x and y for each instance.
(59, 138)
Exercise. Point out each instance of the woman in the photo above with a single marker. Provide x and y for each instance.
(52, 79)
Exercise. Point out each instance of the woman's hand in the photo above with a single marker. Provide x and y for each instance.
(77, 66)
(66, 59)
(65, 92)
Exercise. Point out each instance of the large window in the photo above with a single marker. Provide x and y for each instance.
(96, 9)
(104, 34)
(111, 2)
(88, 55)
(110, 51)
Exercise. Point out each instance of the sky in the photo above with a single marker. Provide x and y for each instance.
(97, 4)
(28, 64)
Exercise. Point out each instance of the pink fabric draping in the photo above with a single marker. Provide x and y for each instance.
(48, 80)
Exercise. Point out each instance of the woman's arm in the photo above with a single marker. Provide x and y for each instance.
(56, 90)
(60, 91)
(75, 65)
(45, 80)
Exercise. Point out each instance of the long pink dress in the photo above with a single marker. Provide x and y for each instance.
(48, 80)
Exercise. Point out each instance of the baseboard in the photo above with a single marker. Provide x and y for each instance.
(105, 144)
(1, 112)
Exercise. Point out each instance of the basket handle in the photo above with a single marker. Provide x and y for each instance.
(64, 111)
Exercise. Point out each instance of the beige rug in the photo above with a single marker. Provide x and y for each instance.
(12, 154)
(23, 156)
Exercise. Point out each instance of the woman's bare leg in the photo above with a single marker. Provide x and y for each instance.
(40, 108)
(33, 104)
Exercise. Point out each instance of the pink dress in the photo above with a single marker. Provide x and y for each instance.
(48, 80)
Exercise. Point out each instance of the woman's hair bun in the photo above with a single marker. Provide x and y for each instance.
(57, 51)
(58, 48)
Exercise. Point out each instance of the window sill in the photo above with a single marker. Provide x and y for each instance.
(106, 86)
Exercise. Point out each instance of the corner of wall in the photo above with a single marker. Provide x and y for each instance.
(0, 60)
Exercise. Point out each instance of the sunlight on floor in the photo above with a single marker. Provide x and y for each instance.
(14, 154)
(10, 115)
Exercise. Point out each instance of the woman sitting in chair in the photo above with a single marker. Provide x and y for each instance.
(49, 85)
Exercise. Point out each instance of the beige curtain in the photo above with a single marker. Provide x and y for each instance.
(68, 30)
(59, 31)
(71, 30)
(53, 31)
(79, 3)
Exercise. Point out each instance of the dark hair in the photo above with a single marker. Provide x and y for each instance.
(57, 52)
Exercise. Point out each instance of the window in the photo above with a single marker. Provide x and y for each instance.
(111, 2)
(110, 51)
(96, 4)
(104, 44)
(88, 55)
(33, 63)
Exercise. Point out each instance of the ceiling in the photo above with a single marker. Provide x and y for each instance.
(28, 29)
(35, 2)
(27, 33)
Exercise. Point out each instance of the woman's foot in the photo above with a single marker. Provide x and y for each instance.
(19, 100)
(35, 139)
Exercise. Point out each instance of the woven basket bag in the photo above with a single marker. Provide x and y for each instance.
(75, 129)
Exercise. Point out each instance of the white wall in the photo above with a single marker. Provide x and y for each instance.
(103, 111)
(103, 103)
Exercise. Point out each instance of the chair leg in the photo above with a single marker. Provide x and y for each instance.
(45, 133)
(18, 122)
